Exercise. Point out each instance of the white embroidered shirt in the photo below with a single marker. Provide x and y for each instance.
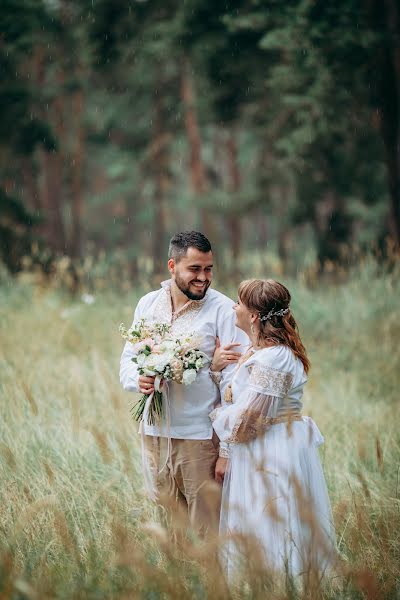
(190, 405)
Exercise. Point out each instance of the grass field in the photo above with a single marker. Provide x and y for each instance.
(73, 519)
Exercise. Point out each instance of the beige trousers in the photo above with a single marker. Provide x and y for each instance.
(186, 486)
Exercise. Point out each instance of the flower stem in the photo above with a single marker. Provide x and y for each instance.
(155, 410)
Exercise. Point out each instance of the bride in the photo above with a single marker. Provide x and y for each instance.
(274, 491)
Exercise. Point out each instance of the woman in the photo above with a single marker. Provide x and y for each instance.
(274, 490)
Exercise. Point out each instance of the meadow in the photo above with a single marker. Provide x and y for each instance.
(74, 522)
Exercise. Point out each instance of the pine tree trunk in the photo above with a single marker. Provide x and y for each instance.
(159, 161)
(31, 185)
(132, 236)
(197, 171)
(131, 241)
(198, 177)
(54, 228)
(391, 116)
(49, 197)
(234, 187)
(76, 247)
(384, 19)
(284, 231)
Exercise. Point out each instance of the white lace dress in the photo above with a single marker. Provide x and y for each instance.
(274, 489)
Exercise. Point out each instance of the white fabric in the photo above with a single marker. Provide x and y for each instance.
(189, 405)
(274, 487)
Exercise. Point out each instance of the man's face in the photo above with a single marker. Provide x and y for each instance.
(192, 273)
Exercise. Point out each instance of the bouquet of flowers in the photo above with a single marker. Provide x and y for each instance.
(160, 354)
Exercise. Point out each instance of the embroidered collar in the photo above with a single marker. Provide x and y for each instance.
(189, 306)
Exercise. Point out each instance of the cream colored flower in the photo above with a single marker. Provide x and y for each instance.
(189, 376)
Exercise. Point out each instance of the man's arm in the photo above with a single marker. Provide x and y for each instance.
(128, 375)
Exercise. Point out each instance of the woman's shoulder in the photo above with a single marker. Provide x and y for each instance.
(279, 357)
(272, 370)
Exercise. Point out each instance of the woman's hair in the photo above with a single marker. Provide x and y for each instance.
(267, 297)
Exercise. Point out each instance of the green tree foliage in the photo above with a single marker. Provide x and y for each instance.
(319, 123)
(125, 119)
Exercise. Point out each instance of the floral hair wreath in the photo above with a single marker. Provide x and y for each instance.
(278, 313)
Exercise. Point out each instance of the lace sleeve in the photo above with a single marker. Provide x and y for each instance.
(257, 407)
(237, 424)
(269, 381)
(253, 420)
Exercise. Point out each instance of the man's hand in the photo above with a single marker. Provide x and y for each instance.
(220, 469)
(224, 356)
(146, 384)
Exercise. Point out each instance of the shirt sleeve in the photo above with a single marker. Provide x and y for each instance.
(257, 406)
(128, 374)
(228, 333)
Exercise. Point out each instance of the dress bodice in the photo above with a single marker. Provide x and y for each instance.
(273, 371)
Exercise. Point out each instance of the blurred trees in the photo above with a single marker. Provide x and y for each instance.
(258, 123)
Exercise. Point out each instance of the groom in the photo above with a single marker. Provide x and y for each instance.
(188, 304)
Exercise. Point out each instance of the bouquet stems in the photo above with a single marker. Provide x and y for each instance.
(155, 409)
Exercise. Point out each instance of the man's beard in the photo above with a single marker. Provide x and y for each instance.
(184, 287)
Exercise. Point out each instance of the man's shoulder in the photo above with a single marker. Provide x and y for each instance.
(219, 299)
(147, 299)
(151, 294)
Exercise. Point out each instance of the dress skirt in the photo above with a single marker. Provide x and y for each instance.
(275, 501)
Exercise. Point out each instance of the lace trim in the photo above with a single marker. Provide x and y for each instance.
(223, 452)
(216, 376)
(251, 425)
(214, 413)
(270, 380)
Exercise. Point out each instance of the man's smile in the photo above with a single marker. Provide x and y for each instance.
(198, 285)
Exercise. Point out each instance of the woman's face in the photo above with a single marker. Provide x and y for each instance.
(243, 316)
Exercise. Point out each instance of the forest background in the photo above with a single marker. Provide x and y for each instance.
(273, 127)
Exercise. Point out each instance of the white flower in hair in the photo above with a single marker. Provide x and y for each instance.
(278, 313)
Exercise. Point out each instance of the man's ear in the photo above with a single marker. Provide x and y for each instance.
(171, 266)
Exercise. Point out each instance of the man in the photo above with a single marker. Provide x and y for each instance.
(190, 306)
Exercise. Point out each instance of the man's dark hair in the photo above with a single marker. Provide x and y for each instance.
(180, 243)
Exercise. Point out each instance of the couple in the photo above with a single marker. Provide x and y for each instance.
(239, 424)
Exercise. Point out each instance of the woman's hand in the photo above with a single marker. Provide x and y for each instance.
(220, 469)
(224, 356)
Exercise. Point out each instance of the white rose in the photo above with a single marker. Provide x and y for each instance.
(149, 372)
(199, 363)
(160, 361)
(168, 345)
(138, 347)
(189, 376)
(141, 359)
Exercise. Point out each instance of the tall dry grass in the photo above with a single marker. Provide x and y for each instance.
(73, 519)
